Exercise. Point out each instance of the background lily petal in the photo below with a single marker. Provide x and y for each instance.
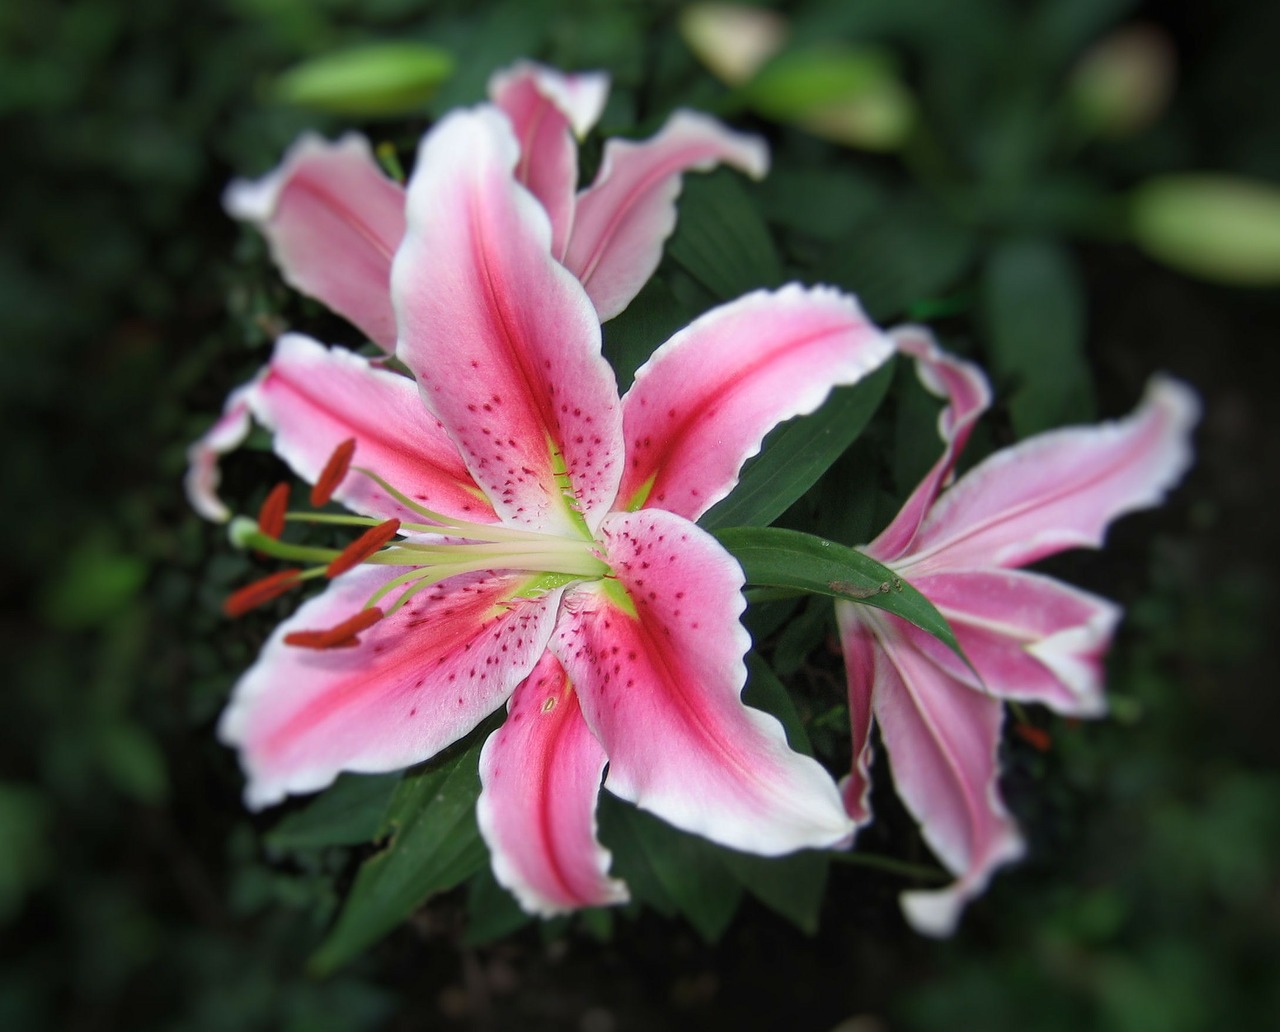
(333, 220)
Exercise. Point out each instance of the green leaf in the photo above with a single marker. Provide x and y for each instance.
(911, 253)
(778, 558)
(792, 886)
(433, 845)
(492, 912)
(690, 871)
(797, 453)
(347, 814)
(721, 240)
(764, 691)
(633, 335)
(1034, 310)
(378, 79)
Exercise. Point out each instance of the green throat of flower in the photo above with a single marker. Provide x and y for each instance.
(431, 551)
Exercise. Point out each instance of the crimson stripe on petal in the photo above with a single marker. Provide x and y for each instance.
(1060, 489)
(942, 739)
(416, 681)
(333, 221)
(623, 218)
(548, 109)
(702, 404)
(541, 774)
(315, 398)
(659, 675)
(503, 340)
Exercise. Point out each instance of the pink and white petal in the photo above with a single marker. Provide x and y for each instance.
(858, 643)
(623, 218)
(417, 681)
(503, 340)
(1060, 489)
(703, 402)
(314, 398)
(1030, 637)
(541, 774)
(548, 109)
(968, 395)
(333, 221)
(942, 738)
(655, 656)
(226, 435)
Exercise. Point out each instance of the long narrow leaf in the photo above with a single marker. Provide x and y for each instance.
(779, 558)
(796, 454)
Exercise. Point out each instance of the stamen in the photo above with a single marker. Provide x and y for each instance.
(271, 515)
(363, 547)
(342, 636)
(334, 472)
(260, 592)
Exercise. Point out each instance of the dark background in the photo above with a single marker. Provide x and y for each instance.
(134, 890)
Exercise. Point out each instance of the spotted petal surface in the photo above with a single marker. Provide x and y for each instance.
(502, 339)
(418, 680)
(656, 660)
(541, 774)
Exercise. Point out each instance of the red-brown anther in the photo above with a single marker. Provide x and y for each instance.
(1036, 737)
(334, 472)
(343, 636)
(271, 515)
(260, 592)
(362, 547)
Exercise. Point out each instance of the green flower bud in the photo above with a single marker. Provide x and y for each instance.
(379, 79)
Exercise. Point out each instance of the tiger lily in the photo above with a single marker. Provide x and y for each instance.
(1029, 637)
(534, 542)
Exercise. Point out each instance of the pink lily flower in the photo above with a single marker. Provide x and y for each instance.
(334, 220)
(1030, 638)
(548, 554)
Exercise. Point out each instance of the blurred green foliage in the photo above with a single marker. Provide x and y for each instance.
(135, 891)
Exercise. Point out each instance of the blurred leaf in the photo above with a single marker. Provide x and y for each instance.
(825, 203)
(95, 583)
(631, 336)
(381, 79)
(1220, 227)
(492, 912)
(778, 558)
(132, 761)
(690, 870)
(911, 252)
(1033, 306)
(792, 886)
(733, 40)
(797, 453)
(434, 845)
(850, 95)
(764, 691)
(25, 860)
(348, 813)
(720, 238)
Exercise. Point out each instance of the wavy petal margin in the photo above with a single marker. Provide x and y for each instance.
(624, 217)
(1060, 489)
(703, 402)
